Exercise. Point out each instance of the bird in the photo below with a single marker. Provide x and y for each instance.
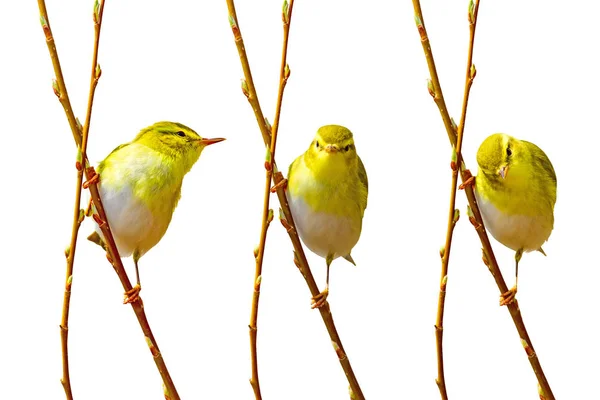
(327, 190)
(140, 185)
(515, 188)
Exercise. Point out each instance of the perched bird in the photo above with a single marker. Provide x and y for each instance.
(516, 193)
(140, 185)
(327, 191)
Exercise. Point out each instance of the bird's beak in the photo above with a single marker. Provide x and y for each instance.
(503, 171)
(208, 142)
(331, 148)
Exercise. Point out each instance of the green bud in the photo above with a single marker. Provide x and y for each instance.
(69, 283)
(470, 212)
(79, 159)
(234, 28)
(286, 72)
(96, 12)
(471, 11)
(456, 215)
(81, 215)
(418, 21)
(472, 71)
(56, 88)
(98, 71)
(442, 251)
(245, 89)
(430, 88)
(67, 251)
(257, 283)
(256, 251)
(270, 215)
(285, 16)
(444, 283)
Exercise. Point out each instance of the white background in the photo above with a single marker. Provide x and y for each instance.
(359, 64)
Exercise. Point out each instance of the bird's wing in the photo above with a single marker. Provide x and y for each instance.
(362, 175)
(102, 163)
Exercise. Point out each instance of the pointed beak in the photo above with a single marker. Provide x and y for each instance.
(331, 148)
(208, 142)
(503, 171)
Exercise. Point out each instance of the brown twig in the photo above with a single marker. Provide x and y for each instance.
(100, 215)
(453, 213)
(476, 219)
(287, 220)
(267, 215)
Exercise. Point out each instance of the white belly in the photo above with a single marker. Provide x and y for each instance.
(133, 225)
(322, 233)
(515, 231)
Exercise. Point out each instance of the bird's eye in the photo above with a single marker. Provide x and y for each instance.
(508, 151)
(347, 147)
(181, 133)
(317, 144)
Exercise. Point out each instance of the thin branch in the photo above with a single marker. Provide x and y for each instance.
(99, 214)
(267, 215)
(287, 219)
(488, 254)
(453, 213)
(78, 213)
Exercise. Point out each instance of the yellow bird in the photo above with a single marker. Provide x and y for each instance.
(140, 186)
(327, 191)
(516, 193)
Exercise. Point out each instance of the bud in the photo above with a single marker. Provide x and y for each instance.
(270, 215)
(234, 28)
(152, 347)
(245, 88)
(69, 283)
(471, 12)
(45, 27)
(98, 71)
(286, 72)
(456, 215)
(472, 72)
(442, 251)
(81, 215)
(256, 251)
(268, 125)
(67, 251)
(56, 88)
(444, 283)
(79, 159)
(268, 165)
(285, 16)
(96, 12)
(430, 88)
(453, 159)
(257, 283)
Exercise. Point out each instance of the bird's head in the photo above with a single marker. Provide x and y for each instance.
(175, 140)
(332, 150)
(498, 156)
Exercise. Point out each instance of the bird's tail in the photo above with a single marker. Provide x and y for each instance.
(349, 259)
(95, 238)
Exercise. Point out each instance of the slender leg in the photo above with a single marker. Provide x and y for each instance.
(319, 300)
(134, 294)
(509, 297)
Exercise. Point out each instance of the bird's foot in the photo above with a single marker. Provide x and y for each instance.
(470, 181)
(508, 297)
(94, 177)
(132, 295)
(319, 300)
(282, 184)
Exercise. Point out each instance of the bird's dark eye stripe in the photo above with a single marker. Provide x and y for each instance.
(508, 151)
(181, 133)
(316, 143)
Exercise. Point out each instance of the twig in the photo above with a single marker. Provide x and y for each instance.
(78, 213)
(100, 215)
(476, 219)
(453, 213)
(267, 215)
(287, 219)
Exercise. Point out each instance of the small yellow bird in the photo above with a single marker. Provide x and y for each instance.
(327, 191)
(140, 185)
(516, 193)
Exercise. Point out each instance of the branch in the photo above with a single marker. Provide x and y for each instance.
(476, 219)
(98, 210)
(267, 215)
(286, 219)
(453, 213)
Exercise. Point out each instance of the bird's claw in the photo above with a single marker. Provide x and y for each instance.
(509, 297)
(94, 177)
(470, 181)
(282, 184)
(319, 300)
(132, 295)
